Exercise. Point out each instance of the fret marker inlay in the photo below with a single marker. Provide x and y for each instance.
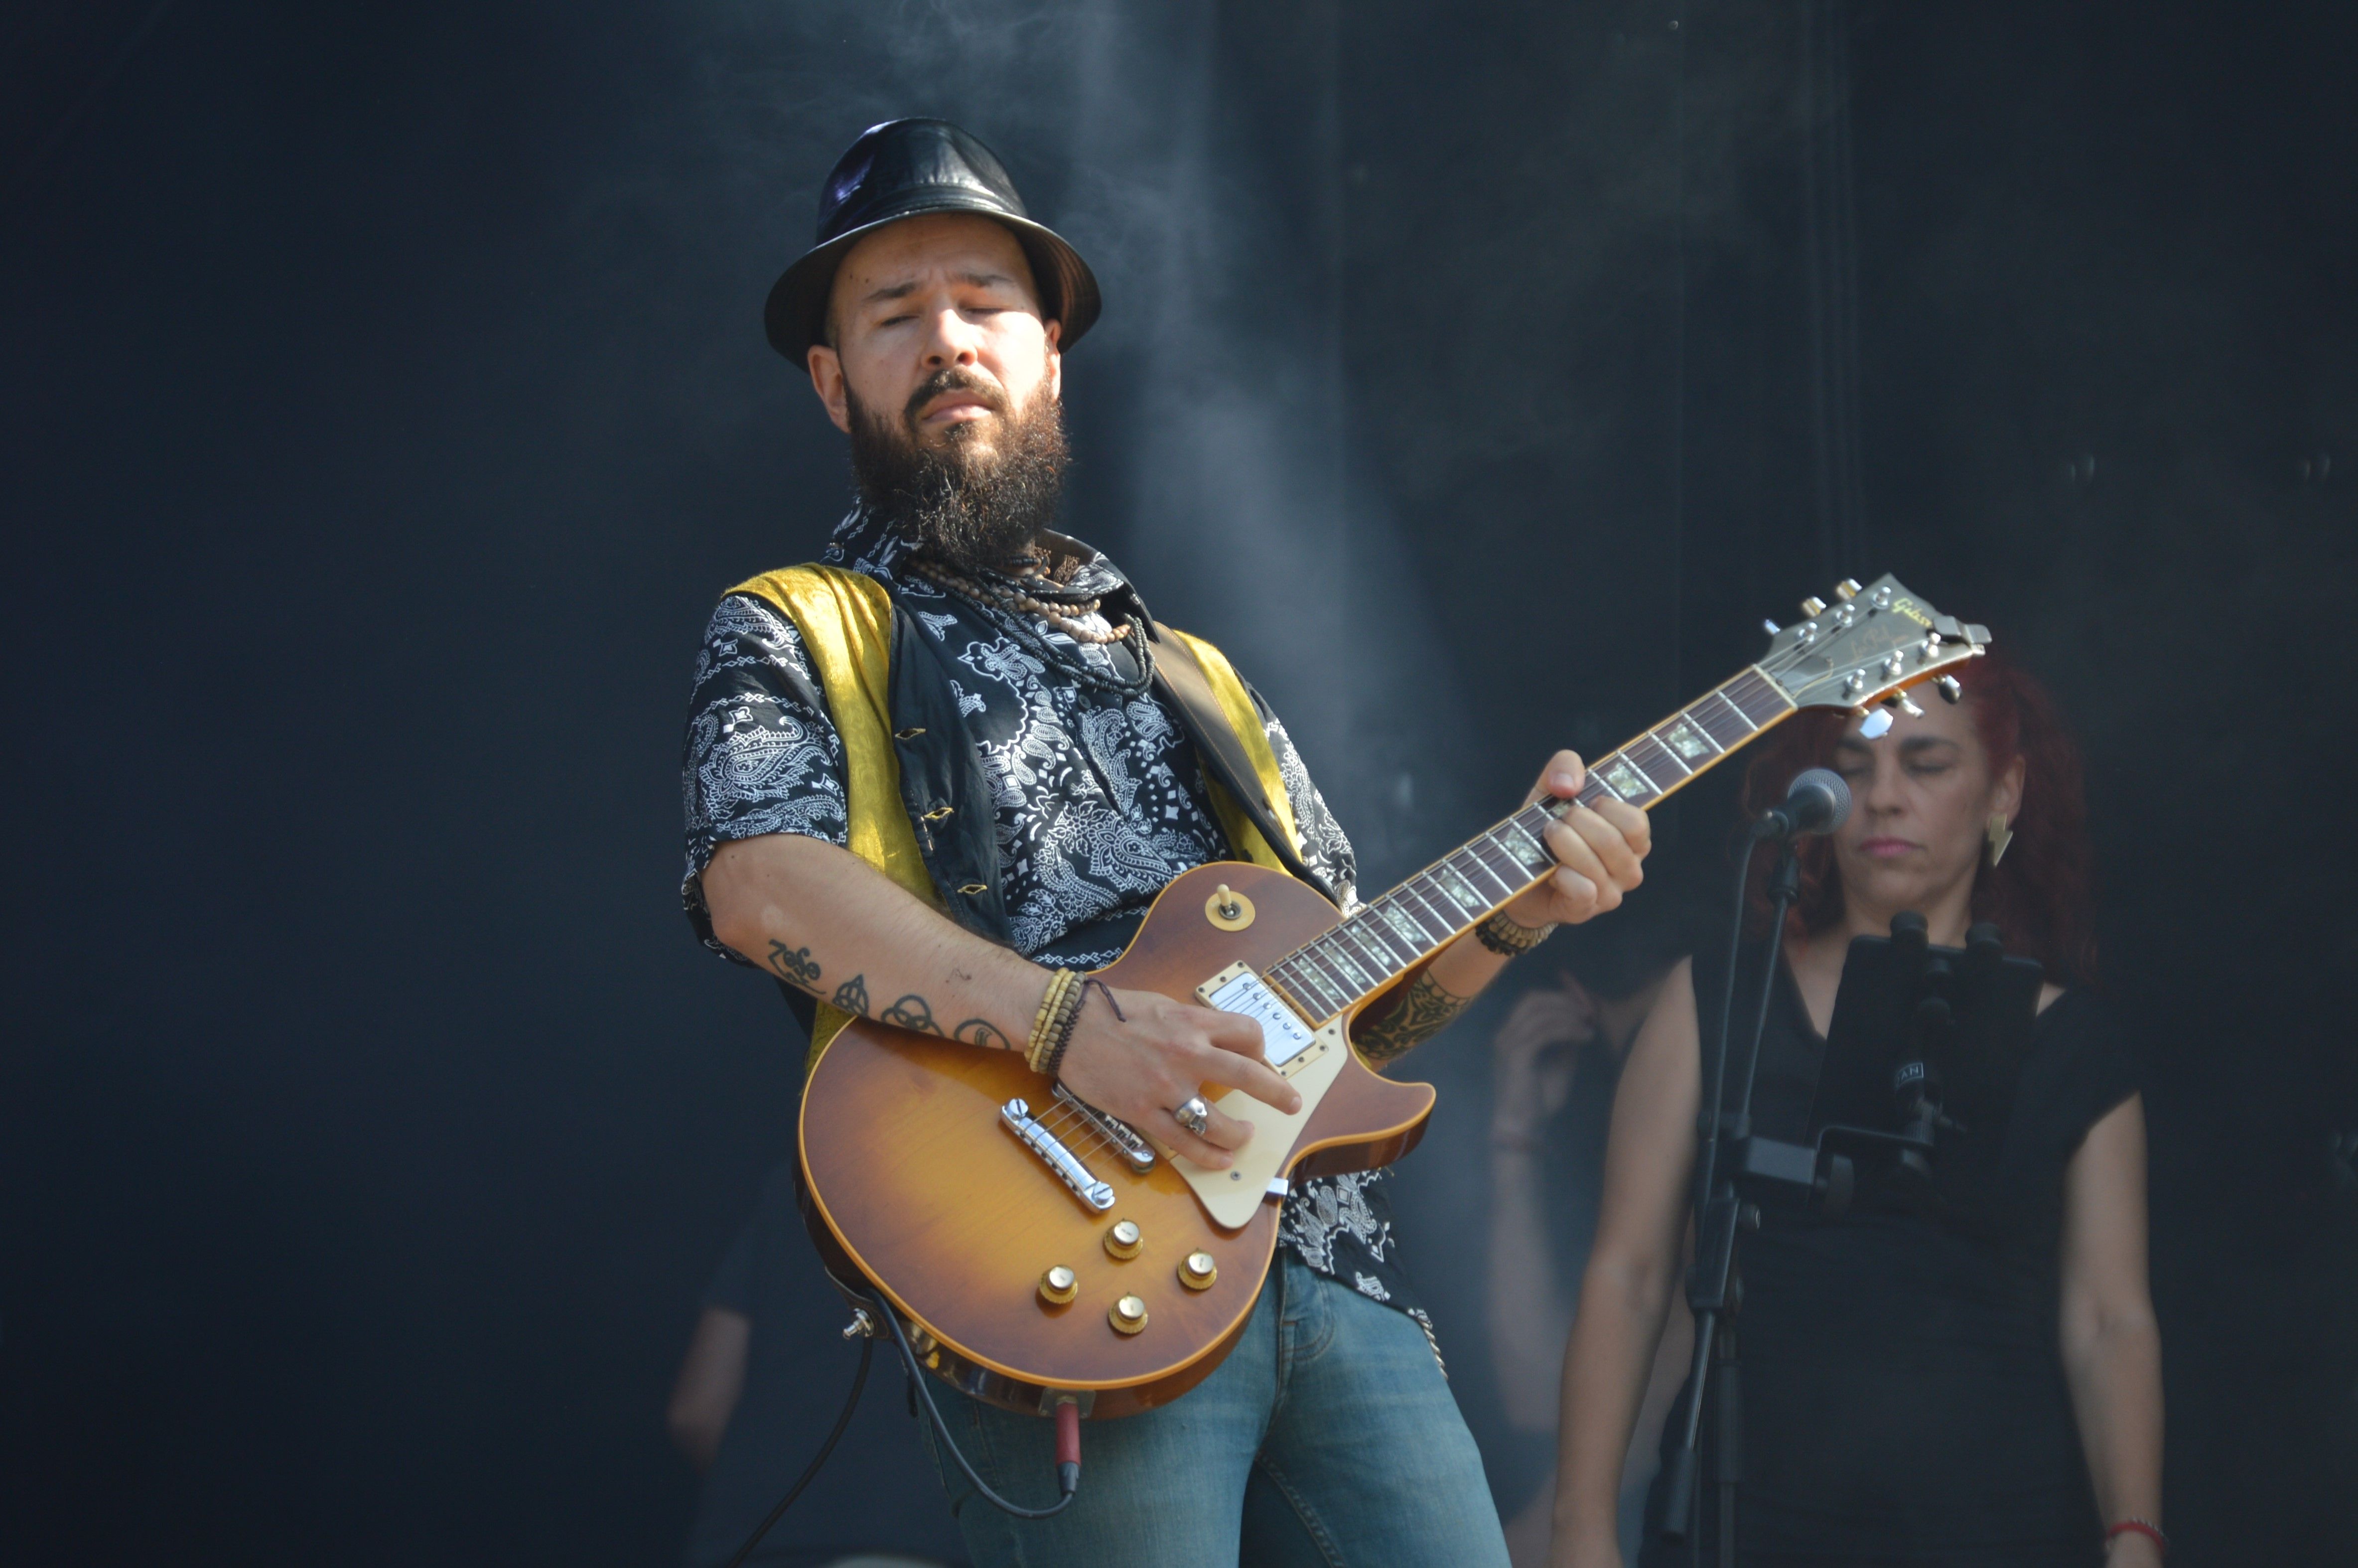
(1688, 742)
(1470, 903)
(1400, 924)
(1335, 955)
(1625, 781)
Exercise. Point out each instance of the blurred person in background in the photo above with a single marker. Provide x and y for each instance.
(1554, 1064)
(1960, 1389)
(752, 1402)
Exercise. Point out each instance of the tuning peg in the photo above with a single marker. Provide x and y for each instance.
(1771, 627)
(1846, 589)
(1813, 607)
(1951, 690)
(1906, 705)
(1875, 725)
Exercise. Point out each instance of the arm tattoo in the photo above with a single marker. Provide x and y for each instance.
(982, 1032)
(1419, 1013)
(912, 1012)
(793, 964)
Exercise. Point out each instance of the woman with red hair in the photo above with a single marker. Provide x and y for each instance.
(1920, 1386)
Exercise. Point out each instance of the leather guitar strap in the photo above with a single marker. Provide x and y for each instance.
(1184, 682)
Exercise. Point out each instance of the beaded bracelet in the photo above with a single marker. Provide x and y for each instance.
(1035, 1049)
(1060, 1030)
(2146, 1528)
(1508, 939)
(1035, 1046)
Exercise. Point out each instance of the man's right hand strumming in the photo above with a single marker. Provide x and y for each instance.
(824, 921)
(1157, 1054)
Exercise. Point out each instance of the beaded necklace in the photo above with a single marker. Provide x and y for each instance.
(1034, 593)
(1035, 597)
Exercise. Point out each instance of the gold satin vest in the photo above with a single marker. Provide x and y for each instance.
(846, 621)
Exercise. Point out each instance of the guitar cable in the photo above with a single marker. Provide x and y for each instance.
(1068, 1432)
(843, 1420)
(1068, 1439)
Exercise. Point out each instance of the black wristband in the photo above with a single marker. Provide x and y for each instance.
(1508, 939)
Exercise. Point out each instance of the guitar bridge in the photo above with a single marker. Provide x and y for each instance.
(1018, 1119)
(1133, 1150)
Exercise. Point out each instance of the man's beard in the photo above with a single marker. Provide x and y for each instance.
(970, 508)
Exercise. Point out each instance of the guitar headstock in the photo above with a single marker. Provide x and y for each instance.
(1870, 646)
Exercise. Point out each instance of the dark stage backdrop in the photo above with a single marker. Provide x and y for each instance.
(385, 404)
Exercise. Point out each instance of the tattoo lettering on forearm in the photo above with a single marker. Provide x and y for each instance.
(793, 964)
(851, 996)
(912, 1012)
(982, 1032)
(1420, 1012)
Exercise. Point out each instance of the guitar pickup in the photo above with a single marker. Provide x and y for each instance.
(1285, 1039)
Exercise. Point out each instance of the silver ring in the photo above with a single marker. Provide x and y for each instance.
(1195, 1115)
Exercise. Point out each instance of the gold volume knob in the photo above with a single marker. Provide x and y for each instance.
(1059, 1285)
(1128, 1315)
(1197, 1271)
(1123, 1238)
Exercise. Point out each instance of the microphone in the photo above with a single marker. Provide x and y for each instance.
(1817, 802)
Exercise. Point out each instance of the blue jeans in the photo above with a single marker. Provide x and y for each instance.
(1327, 1438)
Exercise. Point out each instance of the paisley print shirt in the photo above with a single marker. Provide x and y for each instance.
(1098, 799)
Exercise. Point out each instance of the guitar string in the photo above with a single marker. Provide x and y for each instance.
(1106, 1135)
(1079, 1131)
(1769, 667)
(1070, 1127)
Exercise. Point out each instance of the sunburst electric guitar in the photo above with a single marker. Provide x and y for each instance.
(1039, 1249)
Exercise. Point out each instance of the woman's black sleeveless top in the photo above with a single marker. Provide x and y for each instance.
(1903, 1398)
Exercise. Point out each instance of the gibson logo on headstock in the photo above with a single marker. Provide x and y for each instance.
(1869, 647)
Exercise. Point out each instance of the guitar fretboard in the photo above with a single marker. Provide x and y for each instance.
(1415, 920)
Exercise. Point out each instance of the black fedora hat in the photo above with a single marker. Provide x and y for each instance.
(903, 168)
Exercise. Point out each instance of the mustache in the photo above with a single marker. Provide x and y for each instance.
(951, 378)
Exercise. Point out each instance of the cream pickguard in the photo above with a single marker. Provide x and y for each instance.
(1309, 1059)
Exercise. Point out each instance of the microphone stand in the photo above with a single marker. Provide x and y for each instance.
(1715, 1290)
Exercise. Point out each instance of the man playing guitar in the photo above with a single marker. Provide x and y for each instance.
(932, 318)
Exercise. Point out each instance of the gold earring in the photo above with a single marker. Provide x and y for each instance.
(1999, 835)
